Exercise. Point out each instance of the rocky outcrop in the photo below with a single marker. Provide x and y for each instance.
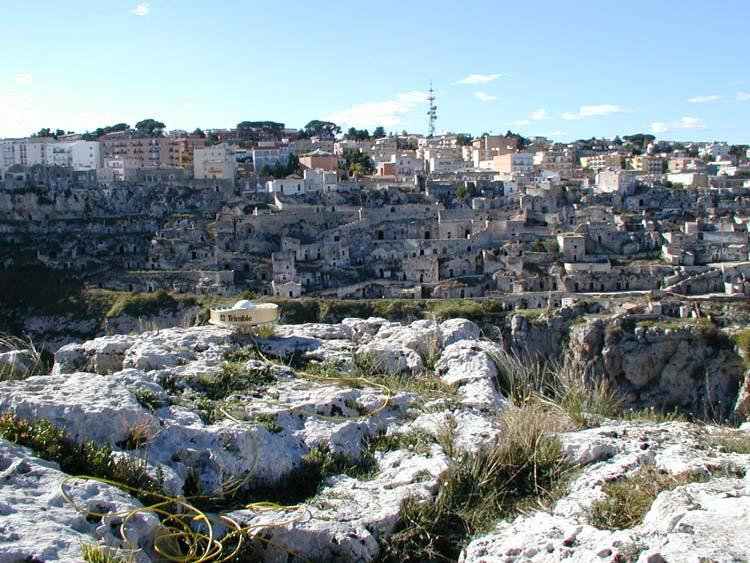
(701, 521)
(688, 366)
(170, 399)
(39, 524)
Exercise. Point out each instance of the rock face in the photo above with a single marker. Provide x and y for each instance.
(170, 398)
(693, 368)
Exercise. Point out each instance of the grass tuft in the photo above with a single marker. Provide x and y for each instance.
(628, 499)
(526, 465)
(94, 553)
(32, 363)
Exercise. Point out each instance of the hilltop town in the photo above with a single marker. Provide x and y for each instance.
(348, 214)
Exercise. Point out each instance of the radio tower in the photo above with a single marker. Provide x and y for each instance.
(431, 112)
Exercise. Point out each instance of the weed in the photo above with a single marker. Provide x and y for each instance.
(94, 553)
(652, 414)
(579, 396)
(416, 441)
(736, 443)
(519, 378)
(234, 377)
(147, 399)
(139, 436)
(270, 422)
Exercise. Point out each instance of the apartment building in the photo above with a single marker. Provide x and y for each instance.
(517, 162)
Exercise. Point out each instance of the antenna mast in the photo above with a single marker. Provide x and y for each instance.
(431, 112)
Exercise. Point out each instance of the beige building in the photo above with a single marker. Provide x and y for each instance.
(647, 164)
(319, 159)
(516, 162)
(603, 161)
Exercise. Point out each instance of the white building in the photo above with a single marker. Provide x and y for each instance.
(291, 185)
(319, 180)
(621, 181)
(714, 150)
(215, 162)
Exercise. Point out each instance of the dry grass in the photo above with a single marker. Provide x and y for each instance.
(32, 363)
(628, 499)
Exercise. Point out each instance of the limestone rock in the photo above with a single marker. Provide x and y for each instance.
(39, 525)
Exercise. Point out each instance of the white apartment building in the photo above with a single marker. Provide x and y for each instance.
(268, 154)
(81, 155)
(621, 181)
(291, 185)
(714, 150)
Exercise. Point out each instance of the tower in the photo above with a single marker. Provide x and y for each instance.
(431, 112)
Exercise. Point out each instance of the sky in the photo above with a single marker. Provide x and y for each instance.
(565, 70)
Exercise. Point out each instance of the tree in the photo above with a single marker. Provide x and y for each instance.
(353, 134)
(462, 192)
(379, 132)
(266, 171)
(521, 141)
(150, 128)
(358, 163)
(463, 140)
(639, 140)
(317, 128)
(198, 131)
(45, 132)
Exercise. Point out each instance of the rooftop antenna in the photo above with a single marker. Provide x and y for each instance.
(431, 112)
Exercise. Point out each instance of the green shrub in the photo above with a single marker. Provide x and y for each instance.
(85, 458)
(148, 304)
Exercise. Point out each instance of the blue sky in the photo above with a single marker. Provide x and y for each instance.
(562, 69)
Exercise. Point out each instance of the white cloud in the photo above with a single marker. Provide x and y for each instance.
(743, 96)
(595, 111)
(537, 115)
(682, 123)
(141, 9)
(480, 78)
(372, 114)
(704, 99)
(188, 105)
(485, 97)
(24, 78)
(691, 123)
